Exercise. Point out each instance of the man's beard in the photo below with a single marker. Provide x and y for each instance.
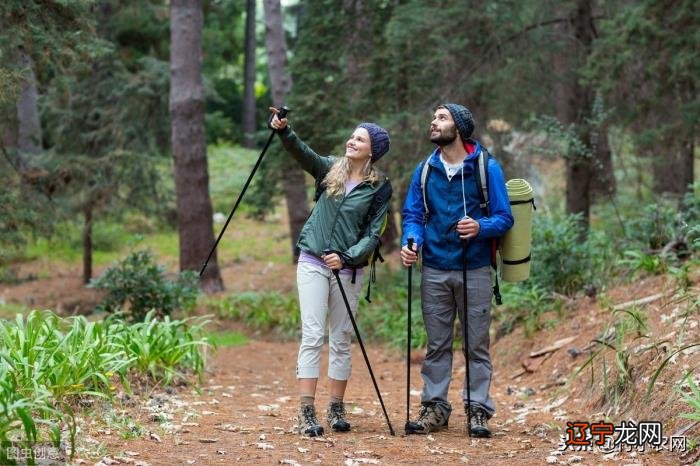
(445, 138)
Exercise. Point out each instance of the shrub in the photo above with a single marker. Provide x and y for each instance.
(261, 311)
(137, 284)
(562, 262)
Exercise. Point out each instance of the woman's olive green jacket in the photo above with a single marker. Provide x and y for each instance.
(349, 225)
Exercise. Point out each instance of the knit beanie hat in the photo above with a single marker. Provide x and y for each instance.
(463, 119)
(378, 138)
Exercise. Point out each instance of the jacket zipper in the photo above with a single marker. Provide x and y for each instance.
(337, 212)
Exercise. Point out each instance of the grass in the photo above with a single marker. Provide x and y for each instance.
(225, 339)
(259, 310)
(8, 310)
(48, 364)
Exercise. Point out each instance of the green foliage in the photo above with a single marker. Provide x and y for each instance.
(638, 261)
(526, 304)
(385, 319)
(47, 363)
(567, 140)
(137, 285)
(162, 349)
(692, 399)
(561, 261)
(55, 33)
(21, 210)
(650, 69)
(260, 311)
(223, 339)
(655, 227)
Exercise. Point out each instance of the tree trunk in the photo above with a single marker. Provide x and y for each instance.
(28, 123)
(249, 125)
(575, 105)
(87, 243)
(194, 209)
(673, 168)
(293, 182)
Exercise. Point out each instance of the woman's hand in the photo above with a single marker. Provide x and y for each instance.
(276, 123)
(332, 260)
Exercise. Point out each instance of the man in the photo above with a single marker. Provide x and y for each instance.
(455, 217)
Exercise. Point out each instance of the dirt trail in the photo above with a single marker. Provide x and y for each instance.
(246, 414)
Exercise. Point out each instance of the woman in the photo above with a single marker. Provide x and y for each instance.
(351, 208)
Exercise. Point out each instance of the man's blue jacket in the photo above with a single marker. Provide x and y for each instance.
(437, 236)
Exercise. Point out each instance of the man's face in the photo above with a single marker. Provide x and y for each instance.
(443, 130)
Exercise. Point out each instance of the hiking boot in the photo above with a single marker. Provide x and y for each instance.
(308, 424)
(479, 426)
(430, 419)
(336, 417)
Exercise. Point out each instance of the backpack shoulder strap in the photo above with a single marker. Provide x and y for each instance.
(482, 183)
(482, 179)
(425, 171)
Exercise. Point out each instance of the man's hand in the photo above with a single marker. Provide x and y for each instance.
(408, 256)
(276, 123)
(332, 261)
(468, 228)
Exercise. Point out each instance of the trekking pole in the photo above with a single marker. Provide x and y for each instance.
(465, 335)
(282, 113)
(408, 342)
(362, 346)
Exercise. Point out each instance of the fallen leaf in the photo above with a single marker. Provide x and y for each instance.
(108, 461)
(267, 408)
(208, 440)
(155, 437)
(357, 461)
(265, 446)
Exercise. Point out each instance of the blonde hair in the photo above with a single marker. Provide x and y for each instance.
(340, 173)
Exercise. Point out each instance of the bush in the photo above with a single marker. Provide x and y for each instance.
(562, 262)
(137, 285)
(261, 311)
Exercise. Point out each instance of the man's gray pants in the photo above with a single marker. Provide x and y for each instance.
(441, 296)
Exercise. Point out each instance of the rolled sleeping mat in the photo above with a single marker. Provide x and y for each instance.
(517, 242)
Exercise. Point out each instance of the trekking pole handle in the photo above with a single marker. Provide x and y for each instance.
(410, 244)
(330, 251)
(281, 113)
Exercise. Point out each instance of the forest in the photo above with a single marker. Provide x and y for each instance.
(128, 129)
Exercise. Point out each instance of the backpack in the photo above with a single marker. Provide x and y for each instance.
(379, 198)
(481, 171)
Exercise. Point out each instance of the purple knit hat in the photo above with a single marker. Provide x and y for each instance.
(378, 138)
